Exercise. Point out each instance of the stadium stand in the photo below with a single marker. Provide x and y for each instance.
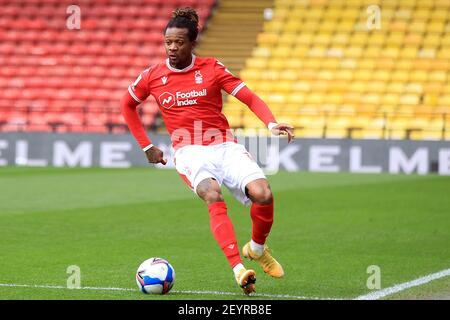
(71, 80)
(320, 66)
(315, 62)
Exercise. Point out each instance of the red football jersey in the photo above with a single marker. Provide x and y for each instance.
(190, 99)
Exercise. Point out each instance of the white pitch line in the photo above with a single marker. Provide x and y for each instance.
(403, 286)
(286, 296)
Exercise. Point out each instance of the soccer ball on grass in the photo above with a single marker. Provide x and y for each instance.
(155, 276)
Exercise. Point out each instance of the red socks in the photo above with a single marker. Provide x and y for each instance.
(223, 231)
(262, 217)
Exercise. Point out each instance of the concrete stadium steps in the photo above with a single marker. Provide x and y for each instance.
(232, 31)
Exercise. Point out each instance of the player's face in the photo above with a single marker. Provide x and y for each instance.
(178, 47)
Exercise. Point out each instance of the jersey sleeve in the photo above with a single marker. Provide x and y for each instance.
(226, 80)
(139, 88)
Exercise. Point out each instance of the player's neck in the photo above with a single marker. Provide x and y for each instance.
(182, 64)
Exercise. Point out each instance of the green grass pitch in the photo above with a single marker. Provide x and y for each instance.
(328, 229)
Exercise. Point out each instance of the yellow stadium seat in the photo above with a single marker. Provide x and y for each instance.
(324, 75)
(418, 76)
(322, 39)
(381, 75)
(352, 97)
(328, 25)
(372, 133)
(430, 135)
(340, 39)
(273, 98)
(409, 52)
(320, 86)
(317, 51)
(301, 86)
(296, 98)
(400, 75)
(438, 76)
(413, 39)
(314, 98)
(442, 4)
(414, 87)
(406, 109)
(372, 98)
(353, 51)
(331, 63)
(261, 52)
(444, 99)
(436, 26)
(446, 88)
(395, 87)
(390, 52)
(422, 14)
(273, 26)
(294, 64)
(343, 75)
(366, 62)
(296, 25)
(445, 40)
(417, 26)
(288, 74)
(404, 64)
(376, 86)
(287, 39)
(276, 63)
(256, 63)
(337, 133)
(395, 39)
(282, 52)
(250, 74)
(265, 86)
(357, 86)
(333, 98)
(269, 74)
(390, 98)
(409, 99)
(268, 39)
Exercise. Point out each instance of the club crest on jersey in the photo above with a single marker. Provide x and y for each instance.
(164, 80)
(198, 77)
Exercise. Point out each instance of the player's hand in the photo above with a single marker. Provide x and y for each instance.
(283, 129)
(155, 155)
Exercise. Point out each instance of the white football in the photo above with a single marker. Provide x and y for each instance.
(155, 276)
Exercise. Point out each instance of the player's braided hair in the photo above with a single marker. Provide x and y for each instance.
(185, 18)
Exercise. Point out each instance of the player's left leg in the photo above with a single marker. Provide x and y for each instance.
(261, 212)
(248, 184)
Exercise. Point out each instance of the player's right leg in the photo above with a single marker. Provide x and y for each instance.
(223, 231)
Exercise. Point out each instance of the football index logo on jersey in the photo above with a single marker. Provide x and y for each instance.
(168, 100)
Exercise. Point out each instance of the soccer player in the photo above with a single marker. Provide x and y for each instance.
(187, 89)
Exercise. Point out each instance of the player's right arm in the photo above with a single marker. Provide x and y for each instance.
(136, 94)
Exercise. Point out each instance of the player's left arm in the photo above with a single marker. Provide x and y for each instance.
(262, 111)
(237, 88)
